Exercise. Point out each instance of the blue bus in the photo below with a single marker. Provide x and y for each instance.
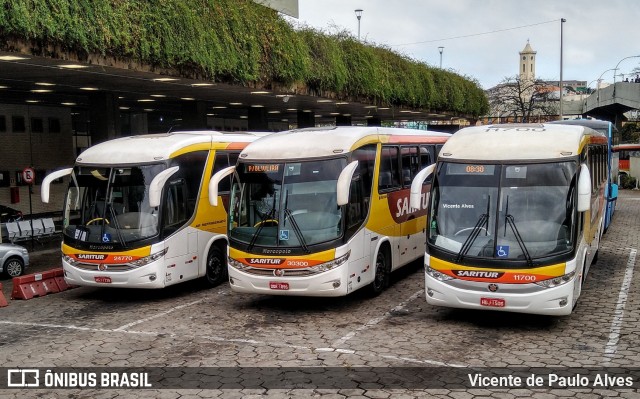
(613, 135)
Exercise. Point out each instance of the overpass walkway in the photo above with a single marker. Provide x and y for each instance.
(611, 102)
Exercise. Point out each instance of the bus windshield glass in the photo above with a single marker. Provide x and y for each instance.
(286, 204)
(110, 205)
(512, 212)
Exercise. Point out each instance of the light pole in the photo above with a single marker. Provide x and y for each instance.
(441, 49)
(562, 21)
(600, 80)
(618, 64)
(358, 15)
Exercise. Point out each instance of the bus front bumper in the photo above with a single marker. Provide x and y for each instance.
(533, 299)
(332, 283)
(143, 277)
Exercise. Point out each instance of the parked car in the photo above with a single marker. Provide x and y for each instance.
(14, 259)
(8, 214)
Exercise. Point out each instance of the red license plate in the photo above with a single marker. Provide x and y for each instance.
(493, 302)
(102, 279)
(276, 285)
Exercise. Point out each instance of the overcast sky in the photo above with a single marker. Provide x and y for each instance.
(597, 34)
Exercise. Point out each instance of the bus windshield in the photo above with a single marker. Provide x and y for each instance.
(289, 204)
(512, 212)
(110, 205)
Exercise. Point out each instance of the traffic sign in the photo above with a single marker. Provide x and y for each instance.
(28, 175)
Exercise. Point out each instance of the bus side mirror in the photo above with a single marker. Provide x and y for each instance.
(215, 180)
(416, 186)
(45, 189)
(344, 183)
(155, 188)
(584, 189)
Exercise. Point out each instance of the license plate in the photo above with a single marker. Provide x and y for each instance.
(493, 302)
(276, 285)
(102, 279)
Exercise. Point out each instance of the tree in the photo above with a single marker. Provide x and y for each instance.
(630, 133)
(523, 100)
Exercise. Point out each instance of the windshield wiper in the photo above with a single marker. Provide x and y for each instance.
(296, 229)
(483, 222)
(114, 219)
(509, 220)
(270, 216)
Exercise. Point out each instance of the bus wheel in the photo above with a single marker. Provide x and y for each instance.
(381, 278)
(216, 266)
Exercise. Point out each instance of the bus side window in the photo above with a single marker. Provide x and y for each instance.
(427, 157)
(410, 164)
(175, 212)
(389, 178)
(191, 172)
(360, 190)
(223, 160)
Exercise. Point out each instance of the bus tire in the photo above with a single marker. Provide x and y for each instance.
(216, 266)
(382, 271)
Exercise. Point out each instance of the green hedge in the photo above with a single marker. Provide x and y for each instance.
(237, 41)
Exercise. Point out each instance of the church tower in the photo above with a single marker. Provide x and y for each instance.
(527, 63)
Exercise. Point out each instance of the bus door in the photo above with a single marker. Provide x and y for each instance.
(182, 247)
(180, 200)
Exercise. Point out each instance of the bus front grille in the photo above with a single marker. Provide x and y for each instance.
(105, 268)
(285, 272)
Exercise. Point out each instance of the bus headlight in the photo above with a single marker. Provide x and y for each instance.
(557, 281)
(433, 273)
(236, 264)
(69, 260)
(148, 259)
(332, 264)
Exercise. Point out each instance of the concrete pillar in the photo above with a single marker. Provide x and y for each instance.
(306, 119)
(374, 122)
(342, 120)
(104, 116)
(194, 115)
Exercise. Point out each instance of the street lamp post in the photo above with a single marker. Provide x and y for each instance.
(441, 49)
(598, 86)
(618, 64)
(358, 15)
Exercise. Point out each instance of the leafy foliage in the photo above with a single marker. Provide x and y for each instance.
(238, 42)
(630, 133)
(627, 182)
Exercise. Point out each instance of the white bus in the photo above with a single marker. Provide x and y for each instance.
(515, 217)
(325, 211)
(137, 213)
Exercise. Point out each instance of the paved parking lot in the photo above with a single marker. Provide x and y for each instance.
(189, 326)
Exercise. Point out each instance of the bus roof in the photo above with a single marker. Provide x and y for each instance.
(331, 141)
(155, 147)
(518, 141)
(594, 124)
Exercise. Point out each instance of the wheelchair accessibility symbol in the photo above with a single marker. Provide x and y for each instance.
(106, 237)
(284, 234)
(502, 251)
